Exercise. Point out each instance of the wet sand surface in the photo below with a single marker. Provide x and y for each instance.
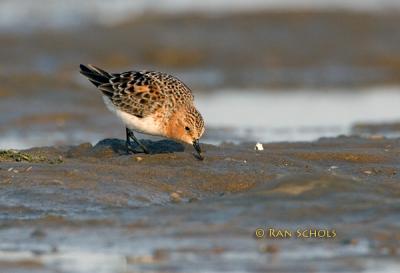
(95, 209)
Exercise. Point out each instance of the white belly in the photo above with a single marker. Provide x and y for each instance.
(145, 125)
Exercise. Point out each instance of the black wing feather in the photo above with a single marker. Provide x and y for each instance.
(95, 75)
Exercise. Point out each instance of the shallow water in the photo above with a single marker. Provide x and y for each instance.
(299, 115)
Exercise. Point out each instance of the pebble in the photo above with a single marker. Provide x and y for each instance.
(138, 158)
(175, 197)
(331, 168)
(259, 147)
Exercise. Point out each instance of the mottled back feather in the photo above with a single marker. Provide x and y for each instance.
(139, 93)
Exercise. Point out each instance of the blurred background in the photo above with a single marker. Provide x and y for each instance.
(273, 70)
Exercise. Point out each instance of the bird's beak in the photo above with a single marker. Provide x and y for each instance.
(196, 146)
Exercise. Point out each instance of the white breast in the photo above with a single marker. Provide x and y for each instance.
(147, 125)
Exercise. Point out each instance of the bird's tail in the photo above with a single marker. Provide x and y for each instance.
(96, 75)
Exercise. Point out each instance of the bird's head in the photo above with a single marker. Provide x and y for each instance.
(187, 126)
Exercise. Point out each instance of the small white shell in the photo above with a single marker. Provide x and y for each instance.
(259, 147)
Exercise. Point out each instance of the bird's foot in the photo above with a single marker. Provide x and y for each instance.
(130, 149)
(144, 148)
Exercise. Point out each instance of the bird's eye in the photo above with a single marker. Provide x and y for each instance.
(187, 129)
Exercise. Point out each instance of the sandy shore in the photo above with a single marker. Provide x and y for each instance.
(94, 209)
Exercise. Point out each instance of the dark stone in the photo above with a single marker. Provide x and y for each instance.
(117, 146)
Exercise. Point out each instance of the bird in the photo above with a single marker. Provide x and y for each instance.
(149, 102)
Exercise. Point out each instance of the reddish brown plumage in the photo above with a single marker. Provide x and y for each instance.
(153, 97)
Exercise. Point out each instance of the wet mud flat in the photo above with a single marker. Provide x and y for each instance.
(265, 49)
(95, 209)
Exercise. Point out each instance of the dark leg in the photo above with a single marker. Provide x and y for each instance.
(128, 143)
(129, 136)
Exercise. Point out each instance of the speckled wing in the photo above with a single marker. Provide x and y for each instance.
(139, 93)
(172, 86)
(133, 93)
(143, 93)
